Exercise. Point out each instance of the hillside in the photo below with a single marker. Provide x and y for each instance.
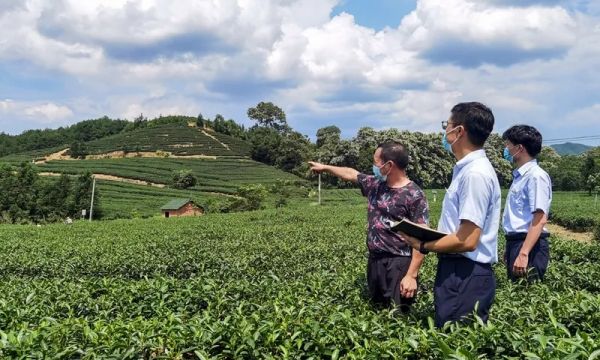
(175, 139)
(223, 175)
(569, 148)
(135, 168)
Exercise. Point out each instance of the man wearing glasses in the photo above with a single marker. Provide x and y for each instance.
(393, 267)
(465, 282)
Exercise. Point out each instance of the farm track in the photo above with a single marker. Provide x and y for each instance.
(135, 182)
(563, 232)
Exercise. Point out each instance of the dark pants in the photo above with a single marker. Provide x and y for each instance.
(539, 256)
(384, 273)
(462, 286)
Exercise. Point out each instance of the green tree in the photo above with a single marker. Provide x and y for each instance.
(265, 144)
(588, 170)
(82, 195)
(269, 115)
(250, 197)
(548, 158)
(78, 150)
(494, 148)
(200, 122)
(328, 135)
(293, 153)
(184, 179)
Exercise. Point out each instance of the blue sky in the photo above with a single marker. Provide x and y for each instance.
(350, 63)
(376, 14)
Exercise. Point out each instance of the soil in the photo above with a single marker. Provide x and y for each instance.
(584, 237)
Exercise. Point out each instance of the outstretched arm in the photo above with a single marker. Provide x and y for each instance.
(344, 173)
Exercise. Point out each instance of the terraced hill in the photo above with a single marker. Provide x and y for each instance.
(223, 175)
(135, 168)
(175, 139)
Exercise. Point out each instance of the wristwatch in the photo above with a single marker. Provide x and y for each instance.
(422, 249)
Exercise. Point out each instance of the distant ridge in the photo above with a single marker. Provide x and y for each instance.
(569, 148)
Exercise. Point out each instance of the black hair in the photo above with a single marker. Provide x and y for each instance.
(394, 151)
(525, 135)
(477, 119)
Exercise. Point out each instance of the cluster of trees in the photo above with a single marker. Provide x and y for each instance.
(40, 139)
(27, 198)
(572, 172)
(275, 143)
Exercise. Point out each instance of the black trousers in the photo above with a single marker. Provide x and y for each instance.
(539, 256)
(462, 286)
(384, 273)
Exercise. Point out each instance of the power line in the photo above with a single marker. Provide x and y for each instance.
(574, 138)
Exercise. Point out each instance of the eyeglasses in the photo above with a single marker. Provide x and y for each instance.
(445, 124)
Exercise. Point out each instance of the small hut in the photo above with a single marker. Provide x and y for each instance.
(181, 207)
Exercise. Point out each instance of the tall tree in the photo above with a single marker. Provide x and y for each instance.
(269, 115)
(588, 170)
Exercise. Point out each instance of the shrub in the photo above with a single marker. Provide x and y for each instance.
(183, 179)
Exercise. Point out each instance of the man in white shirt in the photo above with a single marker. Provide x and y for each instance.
(527, 206)
(465, 281)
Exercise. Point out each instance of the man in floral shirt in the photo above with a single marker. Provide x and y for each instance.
(393, 267)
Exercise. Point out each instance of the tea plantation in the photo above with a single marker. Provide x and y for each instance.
(177, 139)
(287, 283)
(214, 175)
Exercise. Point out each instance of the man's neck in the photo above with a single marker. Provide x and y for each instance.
(522, 160)
(397, 180)
(465, 150)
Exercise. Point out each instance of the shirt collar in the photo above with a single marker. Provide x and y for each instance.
(524, 168)
(473, 155)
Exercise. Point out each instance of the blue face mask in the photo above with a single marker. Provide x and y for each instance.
(446, 144)
(377, 173)
(507, 155)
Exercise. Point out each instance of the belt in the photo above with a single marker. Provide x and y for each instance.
(451, 256)
(522, 236)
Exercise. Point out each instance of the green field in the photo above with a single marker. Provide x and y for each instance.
(215, 175)
(122, 200)
(287, 283)
(575, 210)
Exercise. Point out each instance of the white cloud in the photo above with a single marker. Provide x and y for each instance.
(158, 57)
(474, 22)
(49, 111)
(37, 113)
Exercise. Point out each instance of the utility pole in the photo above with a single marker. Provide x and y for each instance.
(92, 202)
(319, 188)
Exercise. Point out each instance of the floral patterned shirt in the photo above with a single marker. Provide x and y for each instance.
(387, 204)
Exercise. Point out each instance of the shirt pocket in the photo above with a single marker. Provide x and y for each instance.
(517, 198)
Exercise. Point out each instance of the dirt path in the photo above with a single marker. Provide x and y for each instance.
(112, 178)
(584, 237)
(136, 182)
(215, 139)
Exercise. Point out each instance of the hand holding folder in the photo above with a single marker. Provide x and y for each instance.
(418, 231)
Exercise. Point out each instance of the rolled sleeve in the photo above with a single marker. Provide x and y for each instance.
(367, 183)
(539, 194)
(475, 194)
